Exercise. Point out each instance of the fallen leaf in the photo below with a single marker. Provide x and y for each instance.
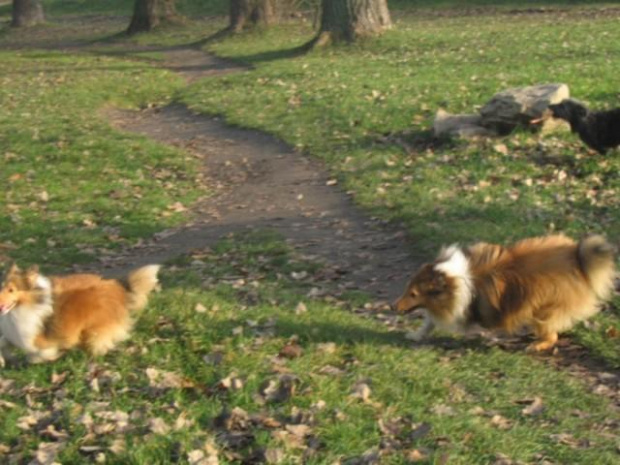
(231, 382)
(200, 457)
(327, 347)
(158, 426)
(370, 457)
(291, 350)
(416, 455)
(361, 391)
(280, 389)
(443, 410)
(183, 422)
(235, 420)
(28, 421)
(118, 446)
(51, 433)
(46, 453)
(501, 422)
(568, 439)
(331, 370)
(535, 408)
(166, 379)
(273, 455)
(177, 207)
(298, 276)
(501, 148)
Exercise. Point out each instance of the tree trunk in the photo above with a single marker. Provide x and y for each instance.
(27, 13)
(248, 13)
(168, 11)
(144, 17)
(347, 20)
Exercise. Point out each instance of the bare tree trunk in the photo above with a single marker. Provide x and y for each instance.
(347, 20)
(247, 13)
(168, 11)
(27, 13)
(144, 17)
(147, 14)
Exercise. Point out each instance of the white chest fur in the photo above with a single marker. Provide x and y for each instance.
(22, 325)
(25, 322)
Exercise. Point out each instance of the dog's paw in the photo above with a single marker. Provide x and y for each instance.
(47, 355)
(536, 347)
(35, 359)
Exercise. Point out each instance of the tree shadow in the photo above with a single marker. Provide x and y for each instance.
(354, 333)
(411, 141)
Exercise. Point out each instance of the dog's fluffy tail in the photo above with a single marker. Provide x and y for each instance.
(596, 258)
(140, 283)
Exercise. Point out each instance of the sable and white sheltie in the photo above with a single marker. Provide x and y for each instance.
(546, 284)
(45, 316)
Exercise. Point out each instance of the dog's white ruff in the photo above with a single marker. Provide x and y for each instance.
(454, 264)
(24, 323)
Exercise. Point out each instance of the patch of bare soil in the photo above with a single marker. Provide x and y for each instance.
(261, 183)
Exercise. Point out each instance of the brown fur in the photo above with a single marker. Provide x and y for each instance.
(547, 284)
(85, 311)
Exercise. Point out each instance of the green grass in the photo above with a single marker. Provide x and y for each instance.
(75, 188)
(247, 298)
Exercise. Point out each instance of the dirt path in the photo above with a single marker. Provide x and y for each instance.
(262, 183)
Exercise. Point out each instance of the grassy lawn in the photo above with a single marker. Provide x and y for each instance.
(201, 377)
(346, 387)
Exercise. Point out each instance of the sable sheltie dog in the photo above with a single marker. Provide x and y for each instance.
(546, 284)
(46, 315)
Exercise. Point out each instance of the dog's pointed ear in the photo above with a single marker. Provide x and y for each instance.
(438, 284)
(13, 269)
(32, 274)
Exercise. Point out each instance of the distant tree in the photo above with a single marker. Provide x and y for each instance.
(27, 13)
(250, 13)
(144, 17)
(147, 14)
(347, 20)
(168, 11)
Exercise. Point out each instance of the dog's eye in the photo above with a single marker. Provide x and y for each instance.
(434, 292)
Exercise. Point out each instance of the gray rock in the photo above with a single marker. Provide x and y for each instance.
(518, 106)
(466, 126)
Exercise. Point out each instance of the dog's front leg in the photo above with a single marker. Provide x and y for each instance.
(427, 326)
(46, 350)
(5, 354)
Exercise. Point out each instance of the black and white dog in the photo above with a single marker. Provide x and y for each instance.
(599, 130)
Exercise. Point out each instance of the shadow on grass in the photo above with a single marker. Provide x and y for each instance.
(353, 333)
(569, 355)
(273, 55)
(411, 141)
